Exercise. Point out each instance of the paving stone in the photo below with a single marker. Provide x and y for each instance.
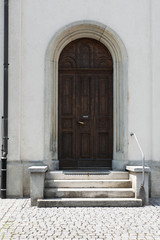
(20, 221)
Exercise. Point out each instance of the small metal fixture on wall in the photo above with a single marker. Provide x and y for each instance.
(5, 106)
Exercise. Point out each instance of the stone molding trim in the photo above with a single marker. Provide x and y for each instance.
(102, 33)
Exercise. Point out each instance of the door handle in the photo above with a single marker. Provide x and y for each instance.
(82, 123)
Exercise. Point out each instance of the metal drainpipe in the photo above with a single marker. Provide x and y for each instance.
(5, 106)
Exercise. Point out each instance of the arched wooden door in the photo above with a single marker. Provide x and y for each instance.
(85, 131)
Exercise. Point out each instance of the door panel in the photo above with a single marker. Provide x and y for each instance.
(66, 140)
(85, 106)
(84, 115)
(104, 117)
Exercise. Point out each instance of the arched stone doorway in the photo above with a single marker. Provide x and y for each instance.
(85, 103)
(105, 35)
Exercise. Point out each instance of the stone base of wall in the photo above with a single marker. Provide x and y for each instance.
(18, 178)
(155, 179)
(154, 176)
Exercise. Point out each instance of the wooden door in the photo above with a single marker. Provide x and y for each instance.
(85, 106)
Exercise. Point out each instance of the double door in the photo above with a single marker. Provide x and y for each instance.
(85, 129)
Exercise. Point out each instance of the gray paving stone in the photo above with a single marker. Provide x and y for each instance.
(20, 221)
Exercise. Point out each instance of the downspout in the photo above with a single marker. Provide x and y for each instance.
(5, 106)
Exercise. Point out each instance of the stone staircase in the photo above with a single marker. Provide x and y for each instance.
(88, 189)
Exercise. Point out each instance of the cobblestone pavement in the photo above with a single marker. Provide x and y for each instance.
(20, 221)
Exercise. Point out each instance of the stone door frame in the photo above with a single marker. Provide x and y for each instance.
(102, 33)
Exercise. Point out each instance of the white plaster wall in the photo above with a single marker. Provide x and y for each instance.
(15, 61)
(155, 80)
(40, 20)
(14, 76)
(155, 53)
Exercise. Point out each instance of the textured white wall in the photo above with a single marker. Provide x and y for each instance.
(34, 22)
(15, 77)
(155, 80)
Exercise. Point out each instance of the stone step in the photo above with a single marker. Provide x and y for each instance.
(88, 183)
(86, 175)
(90, 202)
(89, 193)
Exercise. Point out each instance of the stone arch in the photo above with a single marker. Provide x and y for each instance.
(102, 33)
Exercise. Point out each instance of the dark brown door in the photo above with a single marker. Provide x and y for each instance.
(85, 106)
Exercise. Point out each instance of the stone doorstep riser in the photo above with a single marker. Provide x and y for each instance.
(111, 176)
(85, 184)
(54, 189)
(86, 194)
(88, 203)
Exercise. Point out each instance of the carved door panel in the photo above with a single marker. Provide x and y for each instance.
(67, 124)
(85, 106)
(85, 119)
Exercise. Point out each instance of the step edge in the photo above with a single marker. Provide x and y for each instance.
(90, 180)
(92, 202)
(90, 199)
(89, 189)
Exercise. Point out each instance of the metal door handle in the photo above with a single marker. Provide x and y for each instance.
(82, 123)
